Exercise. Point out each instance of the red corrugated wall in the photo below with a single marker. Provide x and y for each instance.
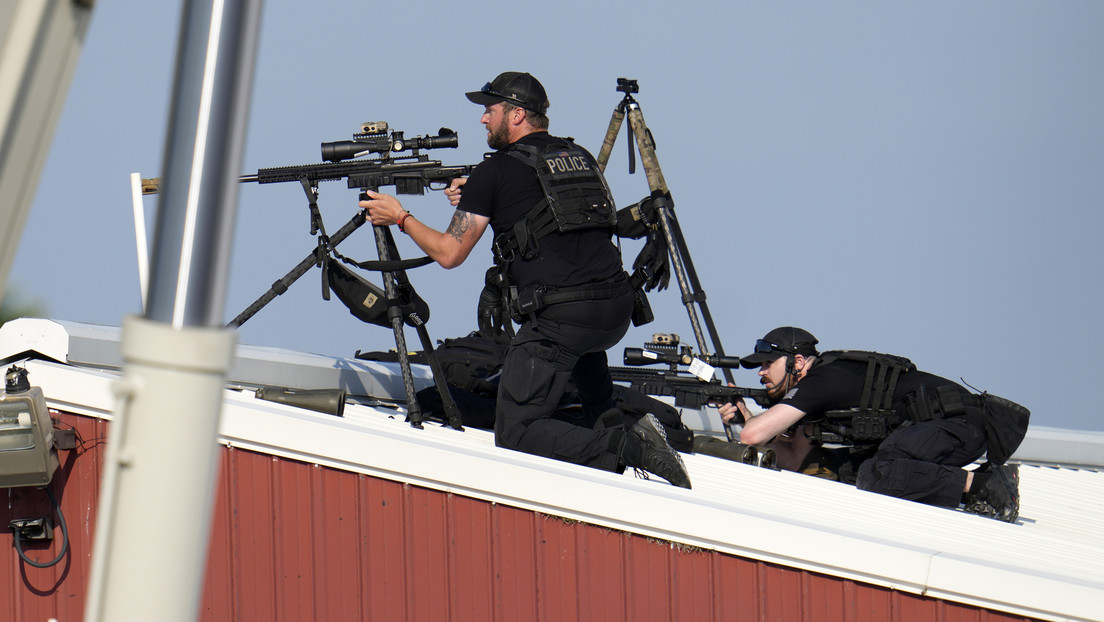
(294, 541)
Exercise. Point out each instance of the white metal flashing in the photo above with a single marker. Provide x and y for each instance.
(97, 346)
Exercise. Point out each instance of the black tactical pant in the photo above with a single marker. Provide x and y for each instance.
(923, 461)
(563, 341)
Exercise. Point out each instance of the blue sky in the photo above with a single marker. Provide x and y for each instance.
(916, 178)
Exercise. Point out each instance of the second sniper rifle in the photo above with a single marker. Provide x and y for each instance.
(688, 389)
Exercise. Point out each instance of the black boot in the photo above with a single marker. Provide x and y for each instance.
(999, 496)
(646, 448)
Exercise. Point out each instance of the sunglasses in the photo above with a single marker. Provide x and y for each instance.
(763, 346)
(489, 90)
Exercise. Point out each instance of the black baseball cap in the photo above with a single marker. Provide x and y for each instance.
(780, 342)
(519, 89)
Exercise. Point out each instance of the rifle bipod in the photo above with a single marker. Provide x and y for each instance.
(682, 265)
(393, 269)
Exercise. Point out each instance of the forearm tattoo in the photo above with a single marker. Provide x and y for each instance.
(461, 222)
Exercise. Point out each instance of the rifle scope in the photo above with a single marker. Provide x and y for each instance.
(641, 356)
(339, 150)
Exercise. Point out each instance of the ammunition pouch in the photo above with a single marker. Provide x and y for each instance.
(636, 220)
(854, 426)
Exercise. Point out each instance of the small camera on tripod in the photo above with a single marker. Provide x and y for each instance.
(627, 86)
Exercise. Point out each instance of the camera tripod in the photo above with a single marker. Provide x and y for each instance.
(393, 269)
(693, 296)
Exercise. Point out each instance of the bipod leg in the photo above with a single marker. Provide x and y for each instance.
(394, 313)
(452, 412)
(310, 261)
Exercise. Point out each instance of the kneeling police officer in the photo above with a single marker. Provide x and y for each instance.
(553, 219)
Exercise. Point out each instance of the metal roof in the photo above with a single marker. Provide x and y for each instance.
(1049, 565)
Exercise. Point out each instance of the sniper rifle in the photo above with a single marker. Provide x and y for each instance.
(410, 174)
(691, 389)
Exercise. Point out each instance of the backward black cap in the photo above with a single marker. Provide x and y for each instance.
(785, 340)
(519, 89)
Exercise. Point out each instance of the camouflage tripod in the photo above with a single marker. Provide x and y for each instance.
(682, 266)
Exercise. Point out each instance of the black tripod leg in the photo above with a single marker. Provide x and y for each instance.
(310, 261)
(452, 412)
(699, 293)
(394, 313)
(399, 278)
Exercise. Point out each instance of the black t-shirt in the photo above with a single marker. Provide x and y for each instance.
(505, 189)
(838, 385)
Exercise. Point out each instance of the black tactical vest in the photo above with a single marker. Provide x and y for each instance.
(1003, 421)
(576, 198)
(874, 418)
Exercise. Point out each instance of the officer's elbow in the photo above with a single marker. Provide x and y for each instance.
(450, 262)
(757, 432)
(451, 256)
(752, 437)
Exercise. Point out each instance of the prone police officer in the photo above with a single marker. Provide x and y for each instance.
(909, 433)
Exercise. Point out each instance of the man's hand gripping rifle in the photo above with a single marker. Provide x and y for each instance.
(691, 389)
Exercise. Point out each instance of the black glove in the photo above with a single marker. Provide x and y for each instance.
(493, 313)
(652, 262)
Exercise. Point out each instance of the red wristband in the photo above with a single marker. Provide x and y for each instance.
(402, 219)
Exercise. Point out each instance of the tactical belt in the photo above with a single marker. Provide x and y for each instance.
(949, 401)
(533, 299)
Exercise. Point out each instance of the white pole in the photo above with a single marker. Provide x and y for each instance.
(40, 43)
(160, 473)
(140, 236)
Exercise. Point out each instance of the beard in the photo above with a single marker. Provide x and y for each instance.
(776, 392)
(498, 137)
